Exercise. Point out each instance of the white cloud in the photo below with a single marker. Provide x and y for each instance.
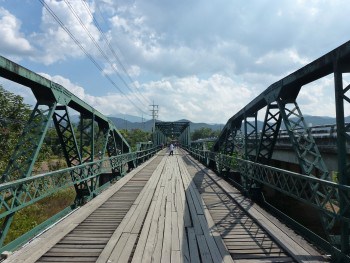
(214, 99)
(66, 83)
(200, 60)
(178, 98)
(317, 98)
(13, 41)
(55, 42)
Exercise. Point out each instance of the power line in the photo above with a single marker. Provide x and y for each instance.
(47, 7)
(110, 46)
(98, 46)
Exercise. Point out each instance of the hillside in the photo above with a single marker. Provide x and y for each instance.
(147, 125)
(130, 122)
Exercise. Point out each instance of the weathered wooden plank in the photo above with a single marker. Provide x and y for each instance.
(175, 256)
(265, 221)
(226, 257)
(183, 244)
(118, 248)
(154, 254)
(136, 216)
(193, 248)
(166, 249)
(175, 242)
(126, 253)
(63, 259)
(203, 249)
(33, 251)
(146, 227)
(151, 238)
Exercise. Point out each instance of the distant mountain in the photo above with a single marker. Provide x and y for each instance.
(125, 124)
(128, 125)
(128, 117)
(130, 122)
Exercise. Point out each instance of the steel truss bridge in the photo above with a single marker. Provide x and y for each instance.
(99, 158)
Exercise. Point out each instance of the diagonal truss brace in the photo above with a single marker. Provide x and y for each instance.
(271, 127)
(27, 149)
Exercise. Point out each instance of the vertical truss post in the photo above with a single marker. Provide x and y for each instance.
(66, 135)
(269, 133)
(68, 140)
(112, 151)
(342, 137)
(85, 189)
(185, 136)
(119, 147)
(27, 149)
(105, 133)
(87, 137)
(229, 142)
(250, 149)
(250, 136)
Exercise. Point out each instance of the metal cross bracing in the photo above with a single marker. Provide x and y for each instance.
(268, 137)
(172, 131)
(91, 148)
(279, 101)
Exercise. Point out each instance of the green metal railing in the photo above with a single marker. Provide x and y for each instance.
(21, 193)
(321, 194)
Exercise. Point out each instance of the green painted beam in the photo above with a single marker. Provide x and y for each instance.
(47, 90)
(289, 86)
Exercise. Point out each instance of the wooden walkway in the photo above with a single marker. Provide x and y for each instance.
(169, 210)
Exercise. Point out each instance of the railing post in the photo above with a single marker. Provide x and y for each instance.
(343, 175)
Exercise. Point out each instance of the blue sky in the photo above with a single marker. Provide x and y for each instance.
(199, 60)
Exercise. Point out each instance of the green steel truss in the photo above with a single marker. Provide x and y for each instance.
(303, 143)
(85, 148)
(22, 161)
(66, 136)
(18, 194)
(269, 133)
(251, 136)
(341, 97)
(173, 131)
(295, 185)
(280, 102)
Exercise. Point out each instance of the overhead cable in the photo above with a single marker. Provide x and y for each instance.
(52, 13)
(132, 82)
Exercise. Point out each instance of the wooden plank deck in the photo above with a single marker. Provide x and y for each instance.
(249, 233)
(167, 210)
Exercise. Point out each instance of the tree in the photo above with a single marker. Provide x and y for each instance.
(134, 136)
(13, 115)
(204, 133)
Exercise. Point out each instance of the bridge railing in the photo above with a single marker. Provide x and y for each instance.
(321, 194)
(21, 193)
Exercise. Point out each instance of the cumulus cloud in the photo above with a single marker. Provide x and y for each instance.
(214, 99)
(200, 60)
(317, 98)
(178, 98)
(55, 42)
(13, 41)
(66, 83)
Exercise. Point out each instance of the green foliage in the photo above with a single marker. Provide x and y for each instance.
(136, 135)
(234, 161)
(29, 217)
(13, 115)
(204, 133)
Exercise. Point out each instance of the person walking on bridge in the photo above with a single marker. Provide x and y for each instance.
(171, 149)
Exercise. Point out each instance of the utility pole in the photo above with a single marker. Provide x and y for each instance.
(154, 115)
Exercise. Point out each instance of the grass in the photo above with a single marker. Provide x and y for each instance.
(31, 216)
